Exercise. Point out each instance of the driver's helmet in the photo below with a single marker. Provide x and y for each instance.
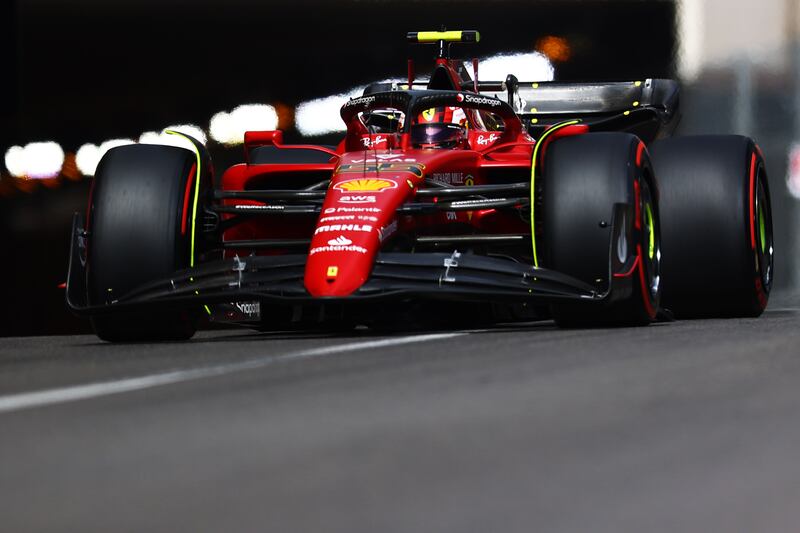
(438, 135)
(453, 115)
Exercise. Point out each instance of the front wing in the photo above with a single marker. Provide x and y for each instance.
(395, 276)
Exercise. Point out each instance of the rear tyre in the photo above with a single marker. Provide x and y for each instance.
(584, 176)
(140, 230)
(717, 226)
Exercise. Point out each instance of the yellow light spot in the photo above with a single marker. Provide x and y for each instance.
(534, 120)
(333, 271)
(534, 110)
(535, 85)
(626, 113)
(410, 183)
(636, 104)
(638, 84)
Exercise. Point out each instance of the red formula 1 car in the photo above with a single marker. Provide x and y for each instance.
(449, 202)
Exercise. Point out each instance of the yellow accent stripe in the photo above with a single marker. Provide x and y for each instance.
(433, 36)
(196, 192)
(196, 195)
(533, 181)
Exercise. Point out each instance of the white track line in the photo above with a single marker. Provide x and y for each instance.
(27, 400)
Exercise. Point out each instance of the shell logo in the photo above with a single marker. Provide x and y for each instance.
(365, 185)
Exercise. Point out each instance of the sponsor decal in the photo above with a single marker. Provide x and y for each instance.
(249, 309)
(385, 157)
(364, 100)
(450, 178)
(460, 97)
(468, 181)
(337, 218)
(350, 248)
(417, 169)
(341, 240)
(365, 185)
(358, 199)
(429, 114)
(333, 271)
(484, 140)
(481, 100)
(369, 142)
(387, 231)
(261, 207)
(366, 228)
(451, 215)
(329, 210)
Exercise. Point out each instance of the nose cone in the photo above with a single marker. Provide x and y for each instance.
(359, 210)
(340, 258)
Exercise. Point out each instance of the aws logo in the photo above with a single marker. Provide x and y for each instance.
(365, 185)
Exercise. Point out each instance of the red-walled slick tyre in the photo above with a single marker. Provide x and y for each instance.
(584, 176)
(716, 225)
(140, 230)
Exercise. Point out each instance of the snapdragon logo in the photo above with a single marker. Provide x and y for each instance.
(249, 309)
(481, 100)
(364, 100)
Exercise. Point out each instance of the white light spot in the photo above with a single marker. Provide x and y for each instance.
(792, 170)
(89, 155)
(15, 161)
(531, 66)
(228, 128)
(39, 160)
(321, 116)
(154, 137)
(86, 158)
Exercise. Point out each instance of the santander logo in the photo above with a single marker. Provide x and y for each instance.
(341, 240)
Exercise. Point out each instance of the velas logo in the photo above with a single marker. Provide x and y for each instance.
(341, 240)
(365, 185)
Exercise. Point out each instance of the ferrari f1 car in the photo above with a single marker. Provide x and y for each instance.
(449, 201)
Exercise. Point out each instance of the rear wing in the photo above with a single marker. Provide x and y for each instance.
(648, 108)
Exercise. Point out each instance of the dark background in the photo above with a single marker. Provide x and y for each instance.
(88, 71)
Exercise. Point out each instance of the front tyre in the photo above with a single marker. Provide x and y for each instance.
(584, 177)
(140, 224)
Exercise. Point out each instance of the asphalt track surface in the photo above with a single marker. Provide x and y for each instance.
(677, 427)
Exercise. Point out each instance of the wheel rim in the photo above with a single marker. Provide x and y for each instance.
(764, 249)
(651, 242)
